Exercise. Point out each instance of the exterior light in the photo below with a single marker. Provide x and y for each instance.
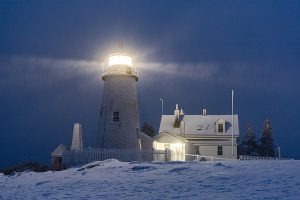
(119, 59)
(119, 64)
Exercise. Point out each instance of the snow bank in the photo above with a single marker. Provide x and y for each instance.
(112, 179)
(105, 163)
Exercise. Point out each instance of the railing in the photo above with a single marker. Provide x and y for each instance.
(120, 69)
(246, 157)
(86, 155)
(169, 155)
(208, 158)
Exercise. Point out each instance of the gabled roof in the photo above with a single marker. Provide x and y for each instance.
(221, 120)
(200, 125)
(169, 134)
(59, 150)
(143, 135)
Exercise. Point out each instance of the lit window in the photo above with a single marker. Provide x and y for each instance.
(128, 70)
(220, 150)
(116, 116)
(220, 128)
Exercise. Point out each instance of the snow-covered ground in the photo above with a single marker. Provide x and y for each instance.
(112, 179)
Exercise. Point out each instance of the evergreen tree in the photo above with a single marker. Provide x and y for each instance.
(240, 147)
(266, 141)
(148, 129)
(248, 146)
(250, 143)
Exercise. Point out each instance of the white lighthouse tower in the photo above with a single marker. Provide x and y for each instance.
(119, 117)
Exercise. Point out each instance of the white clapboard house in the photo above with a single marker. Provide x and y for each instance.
(186, 136)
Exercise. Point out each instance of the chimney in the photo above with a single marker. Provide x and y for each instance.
(181, 112)
(176, 111)
(182, 128)
(204, 112)
(176, 114)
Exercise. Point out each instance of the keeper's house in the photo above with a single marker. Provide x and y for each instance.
(186, 136)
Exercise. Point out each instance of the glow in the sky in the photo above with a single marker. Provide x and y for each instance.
(119, 59)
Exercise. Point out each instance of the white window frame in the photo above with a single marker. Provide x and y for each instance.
(220, 150)
(222, 123)
(220, 128)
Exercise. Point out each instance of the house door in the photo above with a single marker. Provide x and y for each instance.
(196, 150)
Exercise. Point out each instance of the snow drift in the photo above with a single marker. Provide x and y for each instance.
(112, 179)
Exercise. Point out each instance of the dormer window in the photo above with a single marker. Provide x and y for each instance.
(220, 126)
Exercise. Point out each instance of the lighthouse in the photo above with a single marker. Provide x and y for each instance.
(118, 125)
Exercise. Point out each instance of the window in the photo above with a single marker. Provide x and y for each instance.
(220, 128)
(116, 116)
(220, 150)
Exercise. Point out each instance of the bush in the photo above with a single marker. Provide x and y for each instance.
(27, 166)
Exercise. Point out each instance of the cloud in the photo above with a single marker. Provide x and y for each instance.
(251, 76)
(38, 71)
(32, 71)
(200, 71)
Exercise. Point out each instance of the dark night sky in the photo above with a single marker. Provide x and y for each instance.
(188, 52)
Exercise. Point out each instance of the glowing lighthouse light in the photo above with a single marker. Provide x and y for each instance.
(119, 64)
(119, 59)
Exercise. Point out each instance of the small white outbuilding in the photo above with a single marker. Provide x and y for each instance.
(56, 157)
(77, 144)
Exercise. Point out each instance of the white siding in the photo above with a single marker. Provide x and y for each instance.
(213, 151)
